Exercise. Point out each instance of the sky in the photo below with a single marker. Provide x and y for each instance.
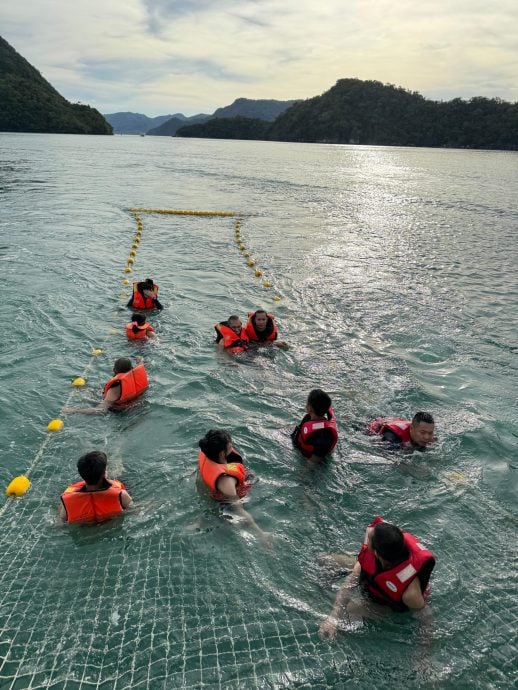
(160, 57)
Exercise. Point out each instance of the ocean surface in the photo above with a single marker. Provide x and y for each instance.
(396, 270)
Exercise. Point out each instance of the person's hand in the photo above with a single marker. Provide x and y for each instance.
(327, 629)
(282, 344)
(266, 539)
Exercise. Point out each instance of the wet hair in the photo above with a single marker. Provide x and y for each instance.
(140, 320)
(214, 441)
(319, 401)
(147, 284)
(122, 365)
(259, 311)
(233, 317)
(424, 417)
(389, 543)
(92, 466)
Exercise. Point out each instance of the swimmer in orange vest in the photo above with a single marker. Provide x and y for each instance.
(231, 336)
(262, 330)
(139, 329)
(221, 469)
(127, 384)
(393, 568)
(96, 498)
(316, 435)
(144, 296)
(416, 434)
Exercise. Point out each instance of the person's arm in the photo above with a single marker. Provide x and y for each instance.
(283, 345)
(130, 302)
(391, 438)
(221, 344)
(157, 304)
(227, 486)
(112, 396)
(62, 511)
(413, 597)
(125, 499)
(150, 332)
(329, 626)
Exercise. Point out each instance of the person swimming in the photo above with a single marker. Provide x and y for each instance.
(139, 329)
(144, 296)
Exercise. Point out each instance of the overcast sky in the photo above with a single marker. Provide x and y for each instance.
(164, 56)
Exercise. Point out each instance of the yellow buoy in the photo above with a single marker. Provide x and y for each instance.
(18, 486)
(96, 352)
(131, 260)
(133, 253)
(246, 254)
(127, 269)
(134, 245)
(267, 283)
(277, 298)
(55, 425)
(79, 381)
(258, 273)
(250, 263)
(125, 281)
(242, 247)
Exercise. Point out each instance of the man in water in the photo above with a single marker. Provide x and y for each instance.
(96, 498)
(417, 434)
(393, 568)
(127, 384)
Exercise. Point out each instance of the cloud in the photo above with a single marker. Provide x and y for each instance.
(159, 56)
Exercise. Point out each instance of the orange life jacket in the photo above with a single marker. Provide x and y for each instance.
(233, 341)
(141, 302)
(211, 471)
(141, 333)
(133, 383)
(399, 426)
(302, 434)
(92, 506)
(388, 586)
(271, 329)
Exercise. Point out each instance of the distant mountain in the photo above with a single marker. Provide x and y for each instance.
(267, 110)
(369, 112)
(227, 128)
(28, 103)
(169, 128)
(135, 123)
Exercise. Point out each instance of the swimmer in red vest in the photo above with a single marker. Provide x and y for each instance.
(393, 568)
(231, 336)
(417, 434)
(222, 471)
(127, 384)
(316, 435)
(96, 498)
(144, 296)
(139, 329)
(262, 329)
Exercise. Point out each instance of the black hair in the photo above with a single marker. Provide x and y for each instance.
(319, 401)
(147, 284)
(389, 543)
(214, 441)
(140, 319)
(92, 466)
(425, 417)
(122, 365)
(232, 317)
(259, 311)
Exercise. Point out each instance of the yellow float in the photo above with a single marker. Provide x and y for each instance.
(125, 281)
(131, 260)
(133, 253)
(267, 284)
(79, 381)
(127, 269)
(277, 298)
(258, 273)
(250, 263)
(55, 425)
(18, 486)
(96, 352)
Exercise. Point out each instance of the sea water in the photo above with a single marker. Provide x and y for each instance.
(396, 270)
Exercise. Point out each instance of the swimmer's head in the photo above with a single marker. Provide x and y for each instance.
(260, 320)
(234, 322)
(92, 466)
(122, 365)
(387, 542)
(139, 319)
(319, 402)
(216, 444)
(148, 287)
(421, 429)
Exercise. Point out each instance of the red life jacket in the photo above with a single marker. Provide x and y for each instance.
(233, 342)
(211, 471)
(388, 586)
(92, 506)
(252, 333)
(141, 333)
(133, 383)
(399, 426)
(307, 428)
(141, 302)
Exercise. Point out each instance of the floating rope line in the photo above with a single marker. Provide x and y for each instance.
(176, 212)
(250, 262)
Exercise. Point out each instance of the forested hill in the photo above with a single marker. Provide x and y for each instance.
(28, 103)
(369, 112)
